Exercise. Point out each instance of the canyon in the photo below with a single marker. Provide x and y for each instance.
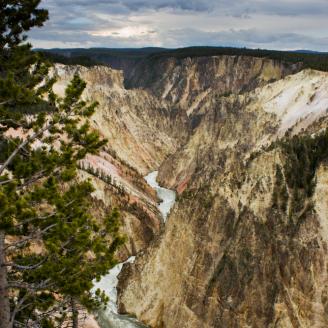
(245, 244)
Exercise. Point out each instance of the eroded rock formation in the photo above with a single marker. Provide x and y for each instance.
(135, 124)
(246, 243)
(243, 247)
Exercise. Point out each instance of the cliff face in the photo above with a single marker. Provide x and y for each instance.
(246, 243)
(135, 124)
(250, 121)
(185, 83)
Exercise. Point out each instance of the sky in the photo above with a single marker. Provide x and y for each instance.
(269, 24)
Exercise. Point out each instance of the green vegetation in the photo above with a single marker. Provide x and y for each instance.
(136, 178)
(51, 248)
(96, 173)
(303, 156)
(304, 153)
(104, 177)
(309, 60)
(74, 60)
(275, 240)
(115, 57)
(280, 192)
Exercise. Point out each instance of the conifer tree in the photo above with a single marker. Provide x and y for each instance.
(51, 248)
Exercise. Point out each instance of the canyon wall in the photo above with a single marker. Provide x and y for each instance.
(185, 83)
(245, 246)
(135, 124)
(246, 243)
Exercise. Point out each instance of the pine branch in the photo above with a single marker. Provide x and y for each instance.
(33, 179)
(24, 267)
(30, 287)
(10, 121)
(30, 139)
(22, 145)
(53, 312)
(34, 235)
(19, 307)
(6, 181)
(41, 218)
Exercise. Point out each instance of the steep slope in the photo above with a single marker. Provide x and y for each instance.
(246, 244)
(294, 102)
(185, 83)
(136, 125)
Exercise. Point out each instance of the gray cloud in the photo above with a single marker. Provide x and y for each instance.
(136, 5)
(281, 7)
(281, 24)
(251, 37)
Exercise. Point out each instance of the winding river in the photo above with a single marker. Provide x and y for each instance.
(166, 196)
(110, 318)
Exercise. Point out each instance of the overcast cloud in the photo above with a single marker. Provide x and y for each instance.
(275, 24)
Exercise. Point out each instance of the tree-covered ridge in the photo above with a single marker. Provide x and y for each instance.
(73, 60)
(317, 61)
(51, 247)
(296, 179)
(98, 56)
(90, 57)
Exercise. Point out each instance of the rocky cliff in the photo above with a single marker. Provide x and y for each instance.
(185, 83)
(135, 124)
(246, 244)
(243, 142)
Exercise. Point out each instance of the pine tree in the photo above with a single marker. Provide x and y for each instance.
(51, 248)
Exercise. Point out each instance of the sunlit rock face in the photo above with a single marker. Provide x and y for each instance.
(136, 124)
(185, 83)
(227, 255)
(251, 121)
(137, 127)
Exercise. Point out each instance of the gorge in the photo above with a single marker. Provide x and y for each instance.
(243, 142)
(110, 318)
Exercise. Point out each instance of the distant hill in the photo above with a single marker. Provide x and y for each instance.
(116, 58)
(106, 52)
(310, 52)
(317, 61)
(126, 58)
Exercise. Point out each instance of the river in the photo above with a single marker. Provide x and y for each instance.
(110, 318)
(166, 196)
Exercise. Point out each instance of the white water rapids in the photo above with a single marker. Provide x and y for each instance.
(166, 196)
(110, 318)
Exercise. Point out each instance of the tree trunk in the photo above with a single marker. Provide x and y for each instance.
(75, 314)
(4, 298)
